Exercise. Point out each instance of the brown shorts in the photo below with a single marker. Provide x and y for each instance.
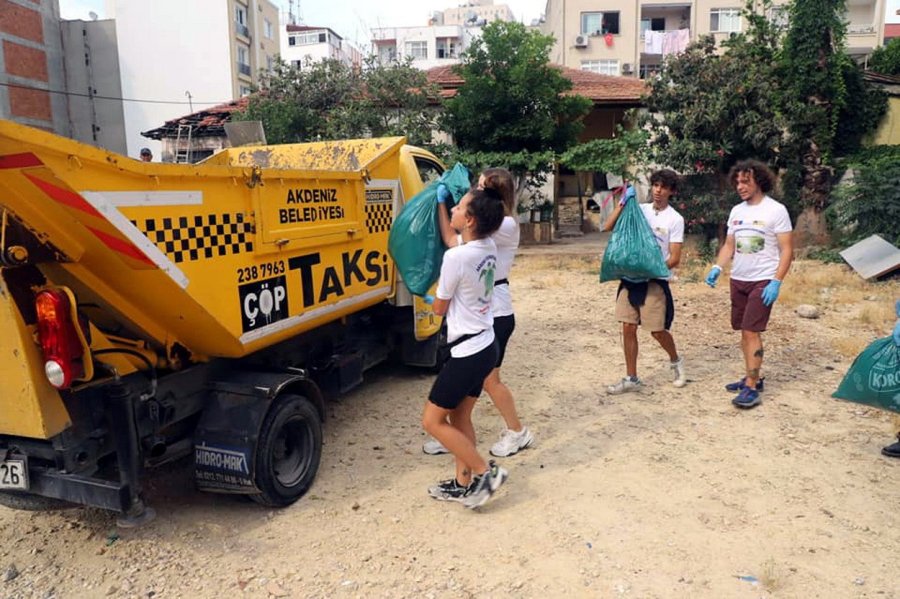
(651, 316)
(748, 313)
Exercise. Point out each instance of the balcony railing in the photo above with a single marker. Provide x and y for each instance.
(243, 69)
(854, 29)
(242, 29)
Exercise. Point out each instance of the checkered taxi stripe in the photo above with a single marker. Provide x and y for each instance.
(379, 216)
(189, 238)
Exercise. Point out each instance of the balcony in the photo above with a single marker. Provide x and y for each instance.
(243, 69)
(242, 29)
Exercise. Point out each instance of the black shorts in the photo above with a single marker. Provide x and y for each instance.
(503, 330)
(462, 377)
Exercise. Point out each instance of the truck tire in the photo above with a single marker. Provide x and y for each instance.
(32, 503)
(288, 451)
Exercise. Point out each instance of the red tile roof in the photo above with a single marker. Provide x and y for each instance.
(209, 122)
(602, 89)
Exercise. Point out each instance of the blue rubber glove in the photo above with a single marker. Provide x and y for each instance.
(897, 326)
(713, 275)
(770, 292)
(629, 194)
(443, 194)
(428, 299)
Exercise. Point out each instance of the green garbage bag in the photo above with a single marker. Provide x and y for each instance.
(415, 241)
(874, 377)
(632, 252)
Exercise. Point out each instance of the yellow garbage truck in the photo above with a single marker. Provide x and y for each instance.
(154, 311)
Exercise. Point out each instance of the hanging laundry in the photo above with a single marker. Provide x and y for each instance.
(653, 42)
(676, 42)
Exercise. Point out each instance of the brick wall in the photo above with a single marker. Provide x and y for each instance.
(21, 22)
(30, 103)
(25, 65)
(25, 62)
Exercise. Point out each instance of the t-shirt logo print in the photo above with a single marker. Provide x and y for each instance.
(488, 276)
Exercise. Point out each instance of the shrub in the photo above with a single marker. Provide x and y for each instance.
(869, 202)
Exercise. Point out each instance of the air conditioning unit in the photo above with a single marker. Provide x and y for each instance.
(627, 68)
(581, 41)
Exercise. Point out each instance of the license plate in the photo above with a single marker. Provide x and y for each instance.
(14, 475)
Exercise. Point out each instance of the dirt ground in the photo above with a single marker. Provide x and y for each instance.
(663, 493)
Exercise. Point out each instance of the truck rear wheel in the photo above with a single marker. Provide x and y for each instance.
(32, 503)
(288, 451)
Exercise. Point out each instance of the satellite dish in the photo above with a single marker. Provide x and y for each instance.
(93, 15)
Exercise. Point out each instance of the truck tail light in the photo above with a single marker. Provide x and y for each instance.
(62, 343)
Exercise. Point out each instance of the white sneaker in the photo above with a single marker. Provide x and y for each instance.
(512, 442)
(679, 377)
(625, 385)
(434, 447)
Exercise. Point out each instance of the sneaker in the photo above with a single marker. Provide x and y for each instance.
(448, 490)
(484, 486)
(434, 447)
(747, 398)
(625, 385)
(738, 385)
(892, 450)
(679, 377)
(512, 442)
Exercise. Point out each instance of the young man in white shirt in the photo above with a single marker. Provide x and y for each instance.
(760, 241)
(649, 304)
(464, 294)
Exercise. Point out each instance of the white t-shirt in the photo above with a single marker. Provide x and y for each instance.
(756, 251)
(467, 279)
(507, 240)
(667, 227)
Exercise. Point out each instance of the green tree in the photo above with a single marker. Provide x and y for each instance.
(886, 59)
(514, 109)
(814, 94)
(708, 109)
(327, 99)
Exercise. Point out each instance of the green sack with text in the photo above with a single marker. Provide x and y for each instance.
(415, 241)
(874, 377)
(632, 252)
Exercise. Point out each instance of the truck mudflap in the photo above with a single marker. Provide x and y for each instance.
(227, 438)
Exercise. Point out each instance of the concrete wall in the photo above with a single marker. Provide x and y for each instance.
(31, 65)
(168, 47)
(888, 132)
(92, 77)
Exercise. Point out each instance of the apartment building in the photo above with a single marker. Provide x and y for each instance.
(474, 11)
(175, 55)
(302, 43)
(443, 40)
(31, 65)
(611, 36)
(95, 108)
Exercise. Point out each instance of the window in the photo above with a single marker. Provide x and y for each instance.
(243, 55)
(240, 20)
(245, 91)
(268, 30)
(600, 23)
(604, 67)
(649, 70)
(724, 20)
(428, 171)
(446, 48)
(307, 39)
(418, 50)
(653, 24)
(270, 64)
